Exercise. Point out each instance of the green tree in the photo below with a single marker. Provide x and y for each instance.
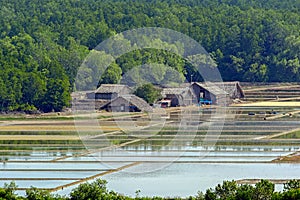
(94, 190)
(210, 195)
(292, 184)
(263, 190)
(33, 88)
(112, 75)
(148, 92)
(8, 191)
(292, 194)
(245, 192)
(3, 94)
(227, 190)
(37, 194)
(57, 95)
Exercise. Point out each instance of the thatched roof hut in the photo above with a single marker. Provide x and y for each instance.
(211, 92)
(180, 96)
(110, 91)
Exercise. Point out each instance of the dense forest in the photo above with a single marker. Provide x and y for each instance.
(228, 190)
(43, 43)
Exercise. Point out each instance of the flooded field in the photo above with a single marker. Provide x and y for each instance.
(196, 146)
(186, 179)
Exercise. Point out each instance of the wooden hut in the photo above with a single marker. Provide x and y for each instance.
(211, 93)
(127, 103)
(109, 92)
(181, 96)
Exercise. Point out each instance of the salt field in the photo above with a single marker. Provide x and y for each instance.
(157, 159)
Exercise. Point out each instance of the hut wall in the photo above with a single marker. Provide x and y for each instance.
(196, 90)
(174, 102)
(90, 95)
(202, 93)
(187, 101)
(240, 93)
(189, 98)
(209, 96)
(174, 99)
(121, 105)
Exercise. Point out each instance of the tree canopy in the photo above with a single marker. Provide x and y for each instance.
(148, 92)
(43, 43)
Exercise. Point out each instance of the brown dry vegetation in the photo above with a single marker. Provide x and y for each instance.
(292, 158)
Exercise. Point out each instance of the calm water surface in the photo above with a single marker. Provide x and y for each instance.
(186, 179)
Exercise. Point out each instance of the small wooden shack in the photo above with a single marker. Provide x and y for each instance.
(210, 92)
(109, 92)
(127, 103)
(180, 96)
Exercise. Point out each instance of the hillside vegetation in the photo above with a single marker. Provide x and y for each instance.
(42, 43)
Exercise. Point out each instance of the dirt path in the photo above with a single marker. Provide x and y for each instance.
(276, 135)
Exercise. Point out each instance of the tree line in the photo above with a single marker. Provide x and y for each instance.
(228, 190)
(43, 43)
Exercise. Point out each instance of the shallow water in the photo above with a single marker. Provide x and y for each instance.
(59, 166)
(186, 179)
(41, 184)
(171, 167)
